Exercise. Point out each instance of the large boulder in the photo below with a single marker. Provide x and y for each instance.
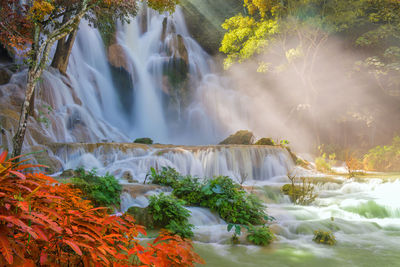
(242, 137)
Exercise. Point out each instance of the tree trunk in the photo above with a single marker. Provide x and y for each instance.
(63, 51)
(23, 120)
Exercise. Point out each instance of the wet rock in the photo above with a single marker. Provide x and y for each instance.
(5, 76)
(117, 57)
(127, 175)
(45, 158)
(142, 216)
(138, 190)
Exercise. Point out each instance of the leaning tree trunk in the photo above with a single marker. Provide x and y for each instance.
(39, 57)
(63, 51)
(18, 139)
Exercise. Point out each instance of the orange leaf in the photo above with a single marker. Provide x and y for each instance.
(74, 246)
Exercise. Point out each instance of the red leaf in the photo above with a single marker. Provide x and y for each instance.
(43, 258)
(18, 174)
(3, 156)
(5, 248)
(74, 246)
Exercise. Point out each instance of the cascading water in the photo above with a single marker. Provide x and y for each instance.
(176, 98)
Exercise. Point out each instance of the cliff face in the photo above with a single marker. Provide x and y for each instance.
(204, 19)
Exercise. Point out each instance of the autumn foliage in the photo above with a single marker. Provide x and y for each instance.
(46, 223)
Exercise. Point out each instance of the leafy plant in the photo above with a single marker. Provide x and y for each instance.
(353, 165)
(322, 165)
(322, 237)
(384, 158)
(101, 190)
(168, 212)
(167, 176)
(300, 193)
(260, 236)
(46, 223)
(219, 194)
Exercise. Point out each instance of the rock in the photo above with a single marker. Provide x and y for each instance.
(44, 158)
(204, 19)
(5, 76)
(242, 137)
(142, 216)
(127, 175)
(117, 57)
(137, 190)
(183, 53)
(265, 142)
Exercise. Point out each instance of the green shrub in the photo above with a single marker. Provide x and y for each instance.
(322, 165)
(189, 189)
(168, 212)
(322, 237)
(146, 141)
(232, 203)
(265, 142)
(300, 192)
(242, 137)
(219, 194)
(167, 176)
(260, 236)
(384, 158)
(101, 190)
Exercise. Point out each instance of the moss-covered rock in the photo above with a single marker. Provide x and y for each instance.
(145, 140)
(265, 142)
(242, 137)
(142, 216)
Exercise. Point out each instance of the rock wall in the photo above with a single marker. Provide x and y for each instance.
(204, 19)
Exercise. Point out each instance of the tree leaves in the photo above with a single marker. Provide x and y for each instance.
(53, 225)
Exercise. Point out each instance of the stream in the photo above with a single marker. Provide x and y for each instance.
(363, 213)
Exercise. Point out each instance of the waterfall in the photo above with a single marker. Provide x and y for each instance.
(242, 163)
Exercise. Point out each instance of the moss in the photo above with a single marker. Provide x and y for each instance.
(265, 142)
(146, 140)
(242, 137)
(322, 237)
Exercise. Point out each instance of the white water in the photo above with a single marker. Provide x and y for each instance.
(253, 162)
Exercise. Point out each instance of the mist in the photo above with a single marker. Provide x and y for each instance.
(346, 106)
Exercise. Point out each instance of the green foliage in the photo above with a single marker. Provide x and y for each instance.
(168, 212)
(322, 165)
(384, 158)
(265, 142)
(300, 193)
(145, 140)
(246, 36)
(232, 203)
(219, 194)
(101, 190)
(167, 176)
(242, 137)
(322, 237)
(260, 236)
